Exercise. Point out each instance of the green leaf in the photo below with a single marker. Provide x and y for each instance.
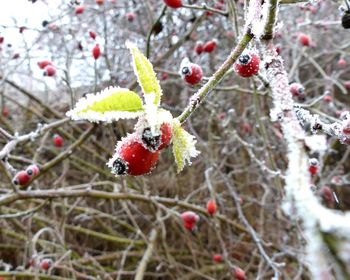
(146, 76)
(183, 146)
(111, 104)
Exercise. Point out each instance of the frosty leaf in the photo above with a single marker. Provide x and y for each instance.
(183, 146)
(145, 75)
(111, 104)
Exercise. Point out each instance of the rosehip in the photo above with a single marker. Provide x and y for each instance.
(49, 71)
(45, 264)
(130, 16)
(156, 141)
(15, 56)
(239, 274)
(79, 10)
(164, 76)
(217, 258)
(247, 65)
(133, 158)
(99, 2)
(297, 89)
(341, 63)
(1, 39)
(327, 195)
(327, 98)
(210, 46)
(199, 48)
(191, 73)
(5, 112)
(33, 170)
(347, 85)
(189, 219)
(96, 51)
(21, 178)
(44, 63)
(211, 207)
(346, 128)
(304, 39)
(92, 35)
(58, 141)
(173, 3)
(313, 168)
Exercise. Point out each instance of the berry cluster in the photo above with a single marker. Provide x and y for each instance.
(24, 177)
(49, 69)
(138, 153)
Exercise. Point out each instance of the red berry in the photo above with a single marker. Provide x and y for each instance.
(133, 158)
(96, 51)
(327, 195)
(278, 50)
(167, 134)
(1, 39)
(304, 39)
(92, 35)
(192, 73)
(21, 178)
(45, 264)
(79, 10)
(58, 141)
(173, 3)
(199, 48)
(313, 170)
(189, 220)
(44, 63)
(247, 65)
(33, 170)
(341, 63)
(239, 274)
(346, 128)
(210, 46)
(328, 98)
(211, 207)
(5, 112)
(297, 89)
(164, 76)
(130, 16)
(99, 2)
(49, 71)
(217, 258)
(347, 85)
(15, 56)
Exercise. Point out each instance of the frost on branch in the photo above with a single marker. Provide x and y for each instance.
(183, 146)
(111, 104)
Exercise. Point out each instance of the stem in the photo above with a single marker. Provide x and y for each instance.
(202, 93)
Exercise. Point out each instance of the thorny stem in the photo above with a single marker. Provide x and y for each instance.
(202, 93)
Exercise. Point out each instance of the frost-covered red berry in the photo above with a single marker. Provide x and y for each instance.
(304, 39)
(239, 274)
(347, 85)
(173, 3)
(189, 220)
(99, 2)
(130, 16)
(199, 48)
(192, 73)
(313, 166)
(33, 170)
(21, 178)
(156, 141)
(1, 39)
(247, 64)
(210, 46)
(341, 63)
(211, 207)
(297, 89)
(79, 10)
(346, 127)
(217, 258)
(133, 158)
(49, 71)
(96, 51)
(42, 64)
(45, 264)
(58, 141)
(92, 35)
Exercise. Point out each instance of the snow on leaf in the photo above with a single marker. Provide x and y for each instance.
(145, 74)
(111, 104)
(183, 146)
